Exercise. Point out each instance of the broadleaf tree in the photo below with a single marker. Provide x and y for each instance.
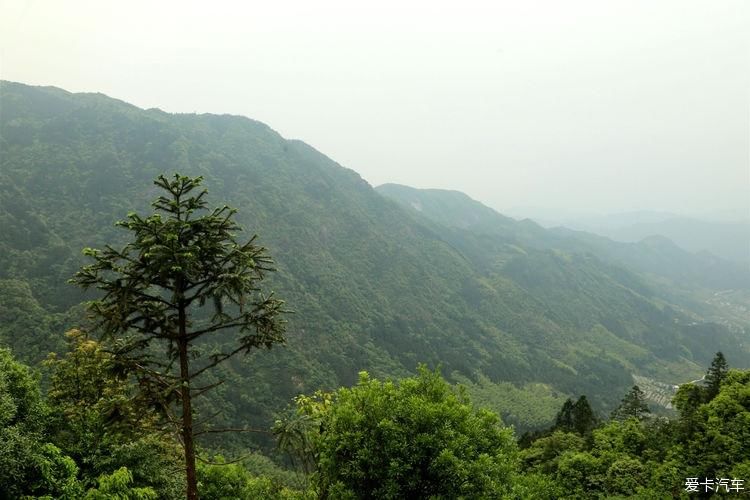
(417, 438)
(183, 281)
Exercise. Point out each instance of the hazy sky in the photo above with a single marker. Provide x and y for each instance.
(595, 105)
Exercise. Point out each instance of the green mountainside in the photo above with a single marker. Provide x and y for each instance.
(523, 316)
(699, 284)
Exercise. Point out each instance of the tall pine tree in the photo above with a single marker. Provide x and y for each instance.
(156, 288)
(717, 372)
(633, 405)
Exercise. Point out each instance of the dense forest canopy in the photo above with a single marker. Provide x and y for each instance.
(417, 437)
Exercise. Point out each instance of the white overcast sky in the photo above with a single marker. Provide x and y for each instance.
(596, 105)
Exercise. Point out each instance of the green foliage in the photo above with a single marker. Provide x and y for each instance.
(413, 439)
(584, 418)
(20, 311)
(96, 418)
(620, 437)
(534, 486)
(234, 482)
(544, 453)
(624, 476)
(722, 428)
(527, 406)
(295, 432)
(29, 465)
(716, 374)
(20, 401)
(633, 405)
(688, 399)
(576, 417)
(564, 418)
(87, 392)
(651, 458)
(580, 474)
(119, 485)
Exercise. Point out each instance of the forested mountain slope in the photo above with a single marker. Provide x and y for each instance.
(702, 285)
(374, 285)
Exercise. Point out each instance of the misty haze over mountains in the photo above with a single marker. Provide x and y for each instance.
(724, 235)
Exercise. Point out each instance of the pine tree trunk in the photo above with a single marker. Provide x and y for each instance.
(187, 411)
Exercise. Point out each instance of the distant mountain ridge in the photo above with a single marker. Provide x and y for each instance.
(726, 238)
(522, 315)
(651, 254)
